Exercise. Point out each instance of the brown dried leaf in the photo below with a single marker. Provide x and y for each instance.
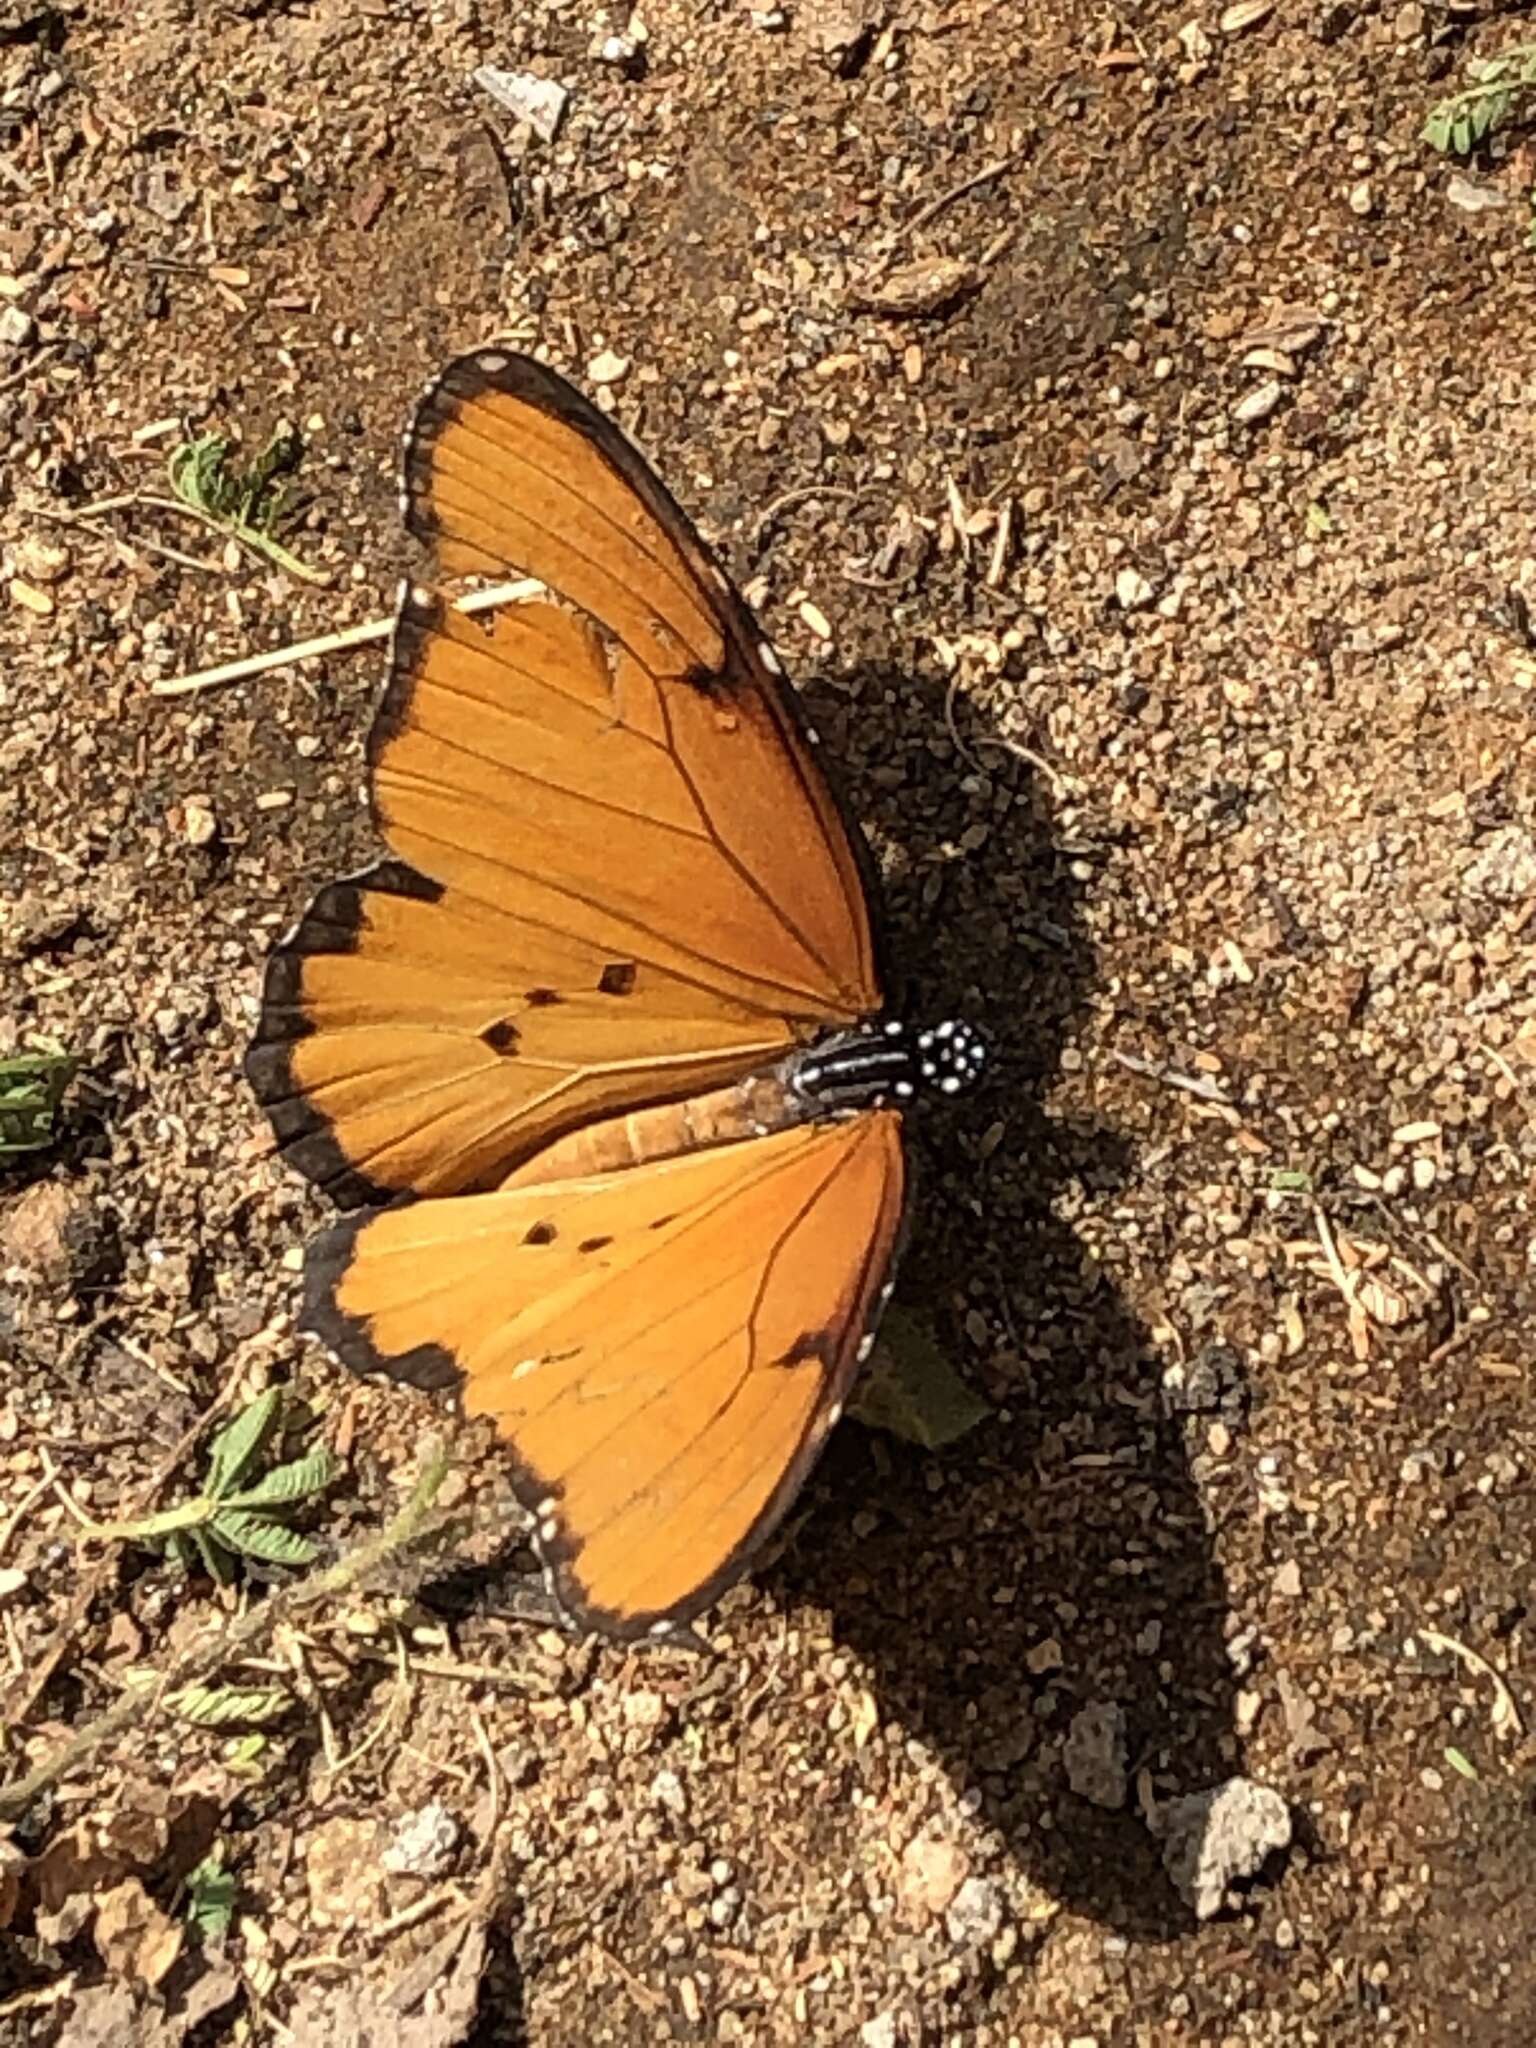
(133, 1937)
(108, 2015)
(154, 1830)
(75, 1865)
(1291, 330)
(1382, 1302)
(1244, 14)
(924, 287)
(360, 2014)
(12, 1864)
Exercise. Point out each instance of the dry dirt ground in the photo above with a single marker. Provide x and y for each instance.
(1164, 595)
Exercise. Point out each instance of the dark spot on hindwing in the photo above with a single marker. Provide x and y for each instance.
(617, 978)
(808, 1346)
(661, 1222)
(593, 1244)
(541, 1233)
(718, 683)
(502, 1036)
(541, 998)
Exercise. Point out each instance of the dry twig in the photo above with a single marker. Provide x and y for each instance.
(329, 643)
(1202, 1085)
(935, 207)
(1506, 1715)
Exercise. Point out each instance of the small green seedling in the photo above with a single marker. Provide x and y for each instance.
(1458, 125)
(912, 1391)
(210, 1897)
(32, 1086)
(230, 1518)
(248, 503)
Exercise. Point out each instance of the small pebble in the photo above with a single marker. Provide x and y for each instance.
(1096, 1755)
(667, 1792)
(1213, 1838)
(423, 1843)
(1259, 403)
(538, 101)
(18, 329)
(193, 820)
(976, 1916)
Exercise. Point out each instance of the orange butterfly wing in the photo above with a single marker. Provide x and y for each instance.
(621, 877)
(664, 1347)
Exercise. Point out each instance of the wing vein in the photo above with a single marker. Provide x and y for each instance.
(563, 538)
(814, 1004)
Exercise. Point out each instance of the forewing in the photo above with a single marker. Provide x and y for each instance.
(414, 1037)
(508, 469)
(621, 878)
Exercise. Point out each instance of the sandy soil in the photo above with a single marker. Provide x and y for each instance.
(1177, 573)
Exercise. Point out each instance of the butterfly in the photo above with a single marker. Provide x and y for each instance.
(599, 1057)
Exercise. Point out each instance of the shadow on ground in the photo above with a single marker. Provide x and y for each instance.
(1057, 1554)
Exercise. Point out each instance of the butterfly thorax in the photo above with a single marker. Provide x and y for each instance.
(870, 1066)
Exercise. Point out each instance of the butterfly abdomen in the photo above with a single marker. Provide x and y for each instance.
(744, 1109)
(871, 1066)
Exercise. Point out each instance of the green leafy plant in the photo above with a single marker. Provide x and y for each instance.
(244, 1754)
(32, 1086)
(912, 1390)
(234, 1516)
(230, 1706)
(249, 503)
(210, 1897)
(1456, 126)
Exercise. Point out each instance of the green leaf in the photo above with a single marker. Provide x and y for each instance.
(211, 1896)
(286, 1483)
(217, 1562)
(238, 1442)
(244, 1754)
(249, 504)
(254, 1536)
(1437, 129)
(912, 1390)
(1458, 125)
(32, 1085)
(221, 1706)
(1458, 1761)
